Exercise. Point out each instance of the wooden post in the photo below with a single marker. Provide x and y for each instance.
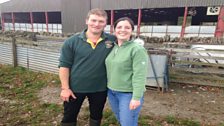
(14, 53)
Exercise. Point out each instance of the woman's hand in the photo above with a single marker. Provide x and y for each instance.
(66, 93)
(134, 104)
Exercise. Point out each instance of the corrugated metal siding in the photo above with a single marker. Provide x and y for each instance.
(31, 58)
(135, 4)
(31, 6)
(45, 61)
(204, 2)
(116, 4)
(6, 54)
(74, 14)
(22, 56)
(163, 3)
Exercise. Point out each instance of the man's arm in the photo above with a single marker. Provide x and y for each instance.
(66, 92)
(64, 77)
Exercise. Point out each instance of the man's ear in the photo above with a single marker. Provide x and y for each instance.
(105, 25)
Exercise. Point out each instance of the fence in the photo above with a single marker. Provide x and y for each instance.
(37, 27)
(192, 66)
(186, 65)
(147, 30)
(174, 31)
(31, 57)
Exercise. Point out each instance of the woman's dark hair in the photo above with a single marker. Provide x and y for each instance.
(124, 19)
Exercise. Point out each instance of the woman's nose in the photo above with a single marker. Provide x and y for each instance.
(122, 29)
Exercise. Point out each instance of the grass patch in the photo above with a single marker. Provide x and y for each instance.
(181, 122)
(19, 104)
(109, 118)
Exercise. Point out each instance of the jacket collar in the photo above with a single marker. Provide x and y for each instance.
(125, 43)
(83, 35)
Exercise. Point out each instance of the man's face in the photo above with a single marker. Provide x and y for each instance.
(96, 24)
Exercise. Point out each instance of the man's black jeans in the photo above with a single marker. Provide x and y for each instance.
(96, 104)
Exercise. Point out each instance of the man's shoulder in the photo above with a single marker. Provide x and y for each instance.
(73, 38)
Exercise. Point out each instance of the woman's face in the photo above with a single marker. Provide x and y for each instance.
(123, 30)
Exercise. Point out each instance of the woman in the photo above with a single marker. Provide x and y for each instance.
(127, 66)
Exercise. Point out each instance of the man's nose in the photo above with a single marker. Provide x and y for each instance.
(97, 23)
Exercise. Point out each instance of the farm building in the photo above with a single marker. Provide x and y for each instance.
(185, 18)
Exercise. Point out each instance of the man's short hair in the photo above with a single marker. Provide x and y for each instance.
(98, 12)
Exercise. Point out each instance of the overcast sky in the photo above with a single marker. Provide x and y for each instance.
(2, 1)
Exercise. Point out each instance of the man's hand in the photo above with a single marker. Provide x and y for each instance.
(66, 93)
(134, 104)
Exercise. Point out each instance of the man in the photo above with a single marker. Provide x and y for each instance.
(82, 69)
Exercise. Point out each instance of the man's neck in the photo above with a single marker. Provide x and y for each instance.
(92, 37)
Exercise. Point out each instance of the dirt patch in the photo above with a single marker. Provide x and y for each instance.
(203, 104)
(50, 95)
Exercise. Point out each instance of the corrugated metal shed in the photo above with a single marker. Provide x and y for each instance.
(74, 14)
(31, 6)
(55, 5)
(74, 11)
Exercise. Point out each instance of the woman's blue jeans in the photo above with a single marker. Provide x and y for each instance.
(119, 102)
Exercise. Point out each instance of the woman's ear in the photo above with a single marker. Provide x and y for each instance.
(113, 31)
